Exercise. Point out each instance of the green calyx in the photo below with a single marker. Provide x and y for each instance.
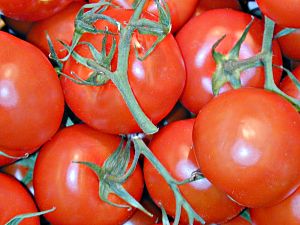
(26, 155)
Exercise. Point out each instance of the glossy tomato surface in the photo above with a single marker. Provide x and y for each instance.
(251, 150)
(180, 11)
(288, 86)
(196, 39)
(15, 200)
(31, 98)
(173, 146)
(204, 5)
(157, 83)
(73, 188)
(290, 44)
(286, 212)
(59, 27)
(283, 13)
(238, 221)
(31, 10)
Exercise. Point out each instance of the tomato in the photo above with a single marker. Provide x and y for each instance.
(73, 188)
(15, 200)
(180, 11)
(196, 39)
(157, 83)
(139, 217)
(284, 15)
(204, 5)
(59, 27)
(31, 10)
(251, 150)
(173, 147)
(286, 212)
(290, 44)
(288, 86)
(238, 221)
(31, 97)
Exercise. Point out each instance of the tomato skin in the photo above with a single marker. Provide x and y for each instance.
(173, 146)
(196, 39)
(290, 44)
(59, 27)
(255, 140)
(204, 5)
(284, 15)
(237, 221)
(15, 200)
(286, 212)
(26, 80)
(31, 10)
(288, 87)
(73, 188)
(180, 11)
(157, 92)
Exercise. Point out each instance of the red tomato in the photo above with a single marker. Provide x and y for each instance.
(251, 150)
(290, 44)
(180, 11)
(31, 10)
(173, 146)
(157, 83)
(288, 86)
(283, 13)
(286, 212)
(196, 39)
(15, 200)
(59, 27)
(140, 218)
(31, 97)
(73, 188)
(204, 5)
(238, 221)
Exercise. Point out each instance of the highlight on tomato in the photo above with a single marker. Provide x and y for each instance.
(252, 149)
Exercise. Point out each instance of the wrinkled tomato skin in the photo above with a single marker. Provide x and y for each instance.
(173, 146)
(288, 86)
(286, 212)
(27, 78)
(157, 84)
(255, 140)
(31, 10)
(238, 221)
(206, 29)
(15, 200)
(59, 27)
(180, 11)
(73, 188)
(204, 5)
(284, 15)
(290, 44)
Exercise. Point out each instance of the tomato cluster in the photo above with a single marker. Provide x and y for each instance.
(122, 112)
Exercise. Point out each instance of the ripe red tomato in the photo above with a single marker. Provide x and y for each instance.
(247, 143)
(238, 221)
(31, 97)
(290, 44)
(286, 212)
(73, 188)
(31, 10)
(180, 11)
(289, 87)
(283, 13)
(157, 83)
(15, 200)
(196, 39)
(204, 5)
(173, 146)
(59, 27)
